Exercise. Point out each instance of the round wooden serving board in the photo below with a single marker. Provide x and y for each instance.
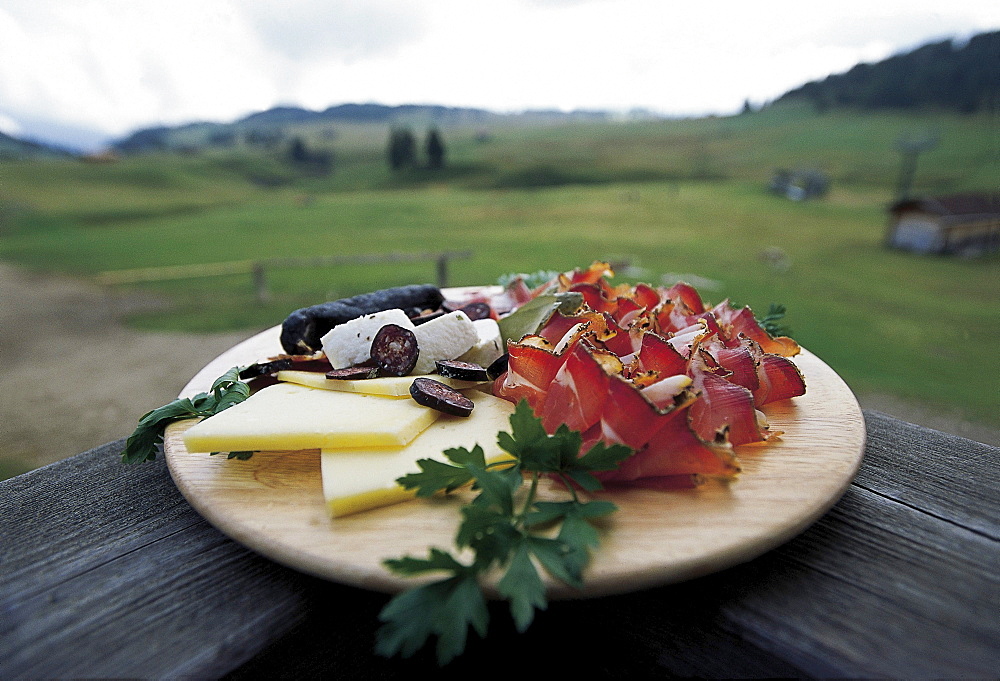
(273, 503)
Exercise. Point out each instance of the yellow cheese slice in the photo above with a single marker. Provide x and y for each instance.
(388, 386)
(362, 479)
(290, 416)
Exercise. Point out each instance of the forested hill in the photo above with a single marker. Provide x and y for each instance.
(946, 75)
(12, 148)
(943, 75)
(268, 127)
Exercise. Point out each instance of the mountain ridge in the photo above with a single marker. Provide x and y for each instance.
(945, 74)
(13, 148)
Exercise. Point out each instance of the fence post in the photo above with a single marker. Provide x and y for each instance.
(259, 282)
(442, 270)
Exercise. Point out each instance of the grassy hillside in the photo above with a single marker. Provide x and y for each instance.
(670, 198)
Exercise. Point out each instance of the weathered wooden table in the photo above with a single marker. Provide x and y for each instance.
(108, 572)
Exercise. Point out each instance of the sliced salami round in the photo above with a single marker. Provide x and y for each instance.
(394, 350)
(437, 395)
(476, 311)
(353, 373)
(462, 371)
(498, 367)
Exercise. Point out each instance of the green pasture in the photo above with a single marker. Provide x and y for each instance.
(666, 199)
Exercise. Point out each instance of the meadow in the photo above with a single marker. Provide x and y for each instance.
(663, 199)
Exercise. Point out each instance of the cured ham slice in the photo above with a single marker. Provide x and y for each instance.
(631, 419)
(596, 297)
(741, 362)
(595, 273)
(616, 338)
(531, 366)
(779, 379)
(627, 311)
(686, 340)
(578, 391)
(656, 370)
(743, 323)
(676, 451)
(558, 325)
(724, 411)
(686, 295)
(656, 354)
(646, 296)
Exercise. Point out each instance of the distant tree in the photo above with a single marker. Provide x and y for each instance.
(747, 107)
(297, 151)
(222, 138)
(402, 148)
(435, 149)
(315, 161)
(267, 139)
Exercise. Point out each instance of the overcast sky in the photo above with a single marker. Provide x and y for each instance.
(118, 65)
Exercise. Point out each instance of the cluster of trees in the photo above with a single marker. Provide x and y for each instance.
(317, 161)
(402, 149)
(944, 75)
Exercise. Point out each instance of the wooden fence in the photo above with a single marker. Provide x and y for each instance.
(257, 269)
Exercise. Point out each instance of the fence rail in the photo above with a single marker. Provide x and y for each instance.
(257, 269)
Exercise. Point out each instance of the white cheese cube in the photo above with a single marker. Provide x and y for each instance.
(446, 337)
(489, 346)
(350, 343)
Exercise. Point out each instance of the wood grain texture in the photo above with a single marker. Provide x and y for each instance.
(877, 588)
(273, 502)
(108, 573)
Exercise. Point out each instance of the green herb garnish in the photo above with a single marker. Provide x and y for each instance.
(242, 455)
(503, 527)
(532, 280)
(531, 316)
(227, 390)
(771, 322)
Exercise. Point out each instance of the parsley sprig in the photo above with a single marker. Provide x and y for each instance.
(506, 527)
(531, 280)
(771, 322)
(227, 390)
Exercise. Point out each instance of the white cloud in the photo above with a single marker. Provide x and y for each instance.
(116, 64)
(317, 29)
(120, 64)
(9, 126)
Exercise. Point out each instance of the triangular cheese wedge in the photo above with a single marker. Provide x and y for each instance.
(358, 480)
(289, 416)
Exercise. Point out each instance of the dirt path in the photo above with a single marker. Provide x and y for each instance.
(74, 377)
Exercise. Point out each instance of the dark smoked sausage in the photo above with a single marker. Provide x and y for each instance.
(394, 350)
(302, 330)
(437, 395)
(462, 371)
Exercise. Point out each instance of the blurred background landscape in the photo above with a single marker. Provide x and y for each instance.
(126, 266)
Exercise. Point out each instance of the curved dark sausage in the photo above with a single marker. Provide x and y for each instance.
(302, 330)
(437, 395)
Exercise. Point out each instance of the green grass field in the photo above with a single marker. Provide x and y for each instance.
(669, 198)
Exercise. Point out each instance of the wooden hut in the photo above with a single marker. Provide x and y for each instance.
(964, 224)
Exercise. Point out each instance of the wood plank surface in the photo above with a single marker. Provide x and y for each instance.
(108, 572)
(273, 502)
(106, 568)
